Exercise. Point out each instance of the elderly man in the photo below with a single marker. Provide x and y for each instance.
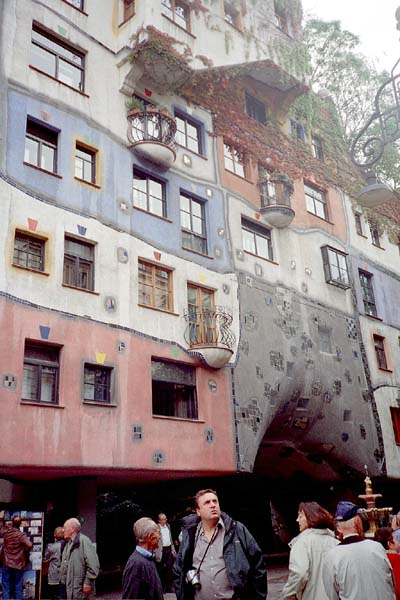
(140, 579)
(15, 546)
(218, 557)
(356, 569)
(79, 562)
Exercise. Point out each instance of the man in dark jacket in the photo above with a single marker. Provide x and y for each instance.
(218, 557)
(140, 579)
(15, 546)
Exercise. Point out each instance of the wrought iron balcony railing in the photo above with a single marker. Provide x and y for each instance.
(151, 133)
(209, 327)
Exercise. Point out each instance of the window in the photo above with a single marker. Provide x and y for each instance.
(335, 267)
(178, 11)
(358, 222)
(174, 390)
(268, 193)
(234, 160)
(375, 236)
(379, 345)
(201, 315)
(41, 371)
(367, 293)
(317, 148)
(316, 202)
(188, 133)
(297, 130)
(85, 163)
(97, 384)
(78, 264)
(193, 223)
(41, 146)
(257, 240)
(28, 251)
(57, 59)
(149, 193)
(155, 286)
(325, 344)
(77, 3)
(281, 17)
(395, 413)
(256, 109)
(232, 14)
(129, 9)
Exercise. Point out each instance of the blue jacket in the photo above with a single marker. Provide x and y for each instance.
(243, 560)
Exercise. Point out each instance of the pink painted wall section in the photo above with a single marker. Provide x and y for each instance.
(81, 435)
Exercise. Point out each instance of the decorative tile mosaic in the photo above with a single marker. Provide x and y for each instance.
(9, 381)
(351, 328)
(276, 360)
(209, 435)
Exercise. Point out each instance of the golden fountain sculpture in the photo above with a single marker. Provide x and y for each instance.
(375, 515)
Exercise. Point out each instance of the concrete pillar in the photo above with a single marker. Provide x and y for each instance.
(86, 499)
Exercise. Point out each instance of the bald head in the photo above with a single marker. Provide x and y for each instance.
(71, 528)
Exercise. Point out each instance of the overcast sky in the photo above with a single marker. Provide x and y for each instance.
(372, 20)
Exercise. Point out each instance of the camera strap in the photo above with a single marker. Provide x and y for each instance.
(214, 535)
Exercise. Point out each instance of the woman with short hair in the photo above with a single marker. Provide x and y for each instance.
(307, 552)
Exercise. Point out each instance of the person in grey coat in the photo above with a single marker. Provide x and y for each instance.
(79, 562)
(53, 556)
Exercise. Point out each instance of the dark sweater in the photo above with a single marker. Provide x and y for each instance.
(140, 580)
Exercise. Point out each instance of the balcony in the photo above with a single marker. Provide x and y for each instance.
(276, 190)
(209, 335)
(151, 134)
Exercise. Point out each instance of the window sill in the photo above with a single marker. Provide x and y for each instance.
(197, 252)
(89, 183)
(376, 246)
(362, 235)
(183, 148)
(76, 8)
(179, 26)
(42, 170)
(125, 21)
(37, 403)
(239, 176)
(341, 286)
(320, 218)
(96, 403)
(73, 287)
(269, 260)
(385, 370)
(147, 212)
(180, 419)
(235, 27)
(166, 312)
(30, 270)
(373, 317)
(58, 81)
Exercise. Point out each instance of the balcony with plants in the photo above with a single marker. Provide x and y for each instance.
(276, 190)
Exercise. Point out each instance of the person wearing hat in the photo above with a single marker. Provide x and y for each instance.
(358, 568)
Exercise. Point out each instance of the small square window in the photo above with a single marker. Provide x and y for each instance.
(379, 346)
(41, 146)
(41, 373)
(317, 148)
(85, 163)
(316, 202)
(149, 193)
(174, 390)
(256, 109)
(234, 161)
(335, 267)
(178, 11)
(29, 251)
(80, 4)
(97, 383)
(367, 292)
(188, 133)
(257, 240)
(193, 224)
(78, 264)
(155, 286)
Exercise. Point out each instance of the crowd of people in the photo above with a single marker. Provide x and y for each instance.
(332, 558)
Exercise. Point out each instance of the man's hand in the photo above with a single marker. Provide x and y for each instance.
(87, 588)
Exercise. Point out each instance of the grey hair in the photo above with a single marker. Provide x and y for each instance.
(73, 522)
(143, 528)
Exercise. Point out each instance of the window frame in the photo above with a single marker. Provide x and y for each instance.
(187, 120)
(317, 148)
(40, 364)
(141, 285)
(58, 56)
(108, 386)
(188, 408)
(76, 260)
(255, 109)
(375, 235)
(36, 240)
(395, 415)
(81, 6)
(358, 224)
(232, 15)
(92, 152)
(42, 138)
(367, 293)
(129, 9)
(172, 10)
(327, 251)
(235, 157)
(194, 236)
(380, 352)
(297, 130)
(257, 231)
(318, 198)
(281, 18)
(149, 177)
(204, 331)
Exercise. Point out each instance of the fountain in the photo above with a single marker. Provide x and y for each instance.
(375, 515)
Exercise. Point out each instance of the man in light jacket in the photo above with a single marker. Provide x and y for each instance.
(79, 562)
